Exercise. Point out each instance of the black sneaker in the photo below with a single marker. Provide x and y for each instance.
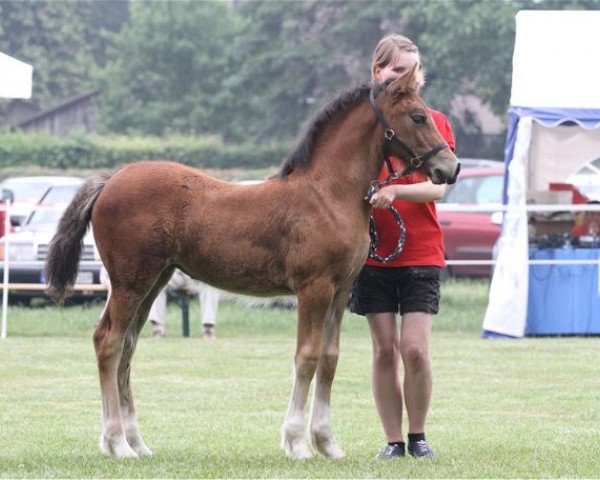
(420, 448)
(391, 451)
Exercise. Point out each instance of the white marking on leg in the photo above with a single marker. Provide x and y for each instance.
(113, 441)
(320, 417)
(133, 435)
(320, 426)
(104, 446)
(127, 410)
(293, 429)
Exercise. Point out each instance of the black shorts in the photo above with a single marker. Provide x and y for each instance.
(396, 289)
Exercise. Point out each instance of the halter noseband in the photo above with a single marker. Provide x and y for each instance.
(415, 159)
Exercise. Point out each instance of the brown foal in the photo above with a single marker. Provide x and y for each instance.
(303, 232)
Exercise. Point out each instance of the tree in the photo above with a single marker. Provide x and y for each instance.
(253, 70)
(294, 55)
(302, 52)
(168, 69)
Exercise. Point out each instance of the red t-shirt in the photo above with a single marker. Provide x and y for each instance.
(423, 244)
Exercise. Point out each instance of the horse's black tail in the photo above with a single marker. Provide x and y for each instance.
(64, 251)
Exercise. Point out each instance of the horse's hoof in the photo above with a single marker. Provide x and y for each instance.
(297, 450)
(126, 454)
(143, 451)
(122, 450)
(334, 452)
(138, 446)
(329, 449)
(119, 449)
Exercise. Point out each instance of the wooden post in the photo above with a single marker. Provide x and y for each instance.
(185, 313)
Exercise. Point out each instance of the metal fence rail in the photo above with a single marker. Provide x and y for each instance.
(442, 207)
(94, 287)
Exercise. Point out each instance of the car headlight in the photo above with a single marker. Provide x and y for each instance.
(18, 251)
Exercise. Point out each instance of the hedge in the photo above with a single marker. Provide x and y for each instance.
(94, 151)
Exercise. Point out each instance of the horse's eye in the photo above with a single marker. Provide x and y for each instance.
(418, 118)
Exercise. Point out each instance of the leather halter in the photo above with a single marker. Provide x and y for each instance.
(415, 160)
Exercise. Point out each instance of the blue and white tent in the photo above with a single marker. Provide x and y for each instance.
(554, 130)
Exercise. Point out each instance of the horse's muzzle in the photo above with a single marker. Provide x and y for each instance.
(440, 174)
(455, 177)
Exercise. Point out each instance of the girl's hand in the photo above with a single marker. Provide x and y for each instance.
(384, 197)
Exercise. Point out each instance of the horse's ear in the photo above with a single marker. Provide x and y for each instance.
(409, 83)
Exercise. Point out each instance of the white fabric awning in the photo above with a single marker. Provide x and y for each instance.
(15, 78)
(556, 61)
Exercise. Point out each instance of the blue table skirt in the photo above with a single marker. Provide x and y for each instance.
(563, 299)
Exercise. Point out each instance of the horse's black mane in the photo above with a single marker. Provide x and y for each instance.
(300, 157)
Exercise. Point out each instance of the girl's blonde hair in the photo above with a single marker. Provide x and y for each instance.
(387, 49)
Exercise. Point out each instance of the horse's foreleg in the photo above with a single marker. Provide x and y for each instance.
(320, 419)
(108, 342)
(313, 304)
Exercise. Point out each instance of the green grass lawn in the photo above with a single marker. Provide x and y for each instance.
(500, 409)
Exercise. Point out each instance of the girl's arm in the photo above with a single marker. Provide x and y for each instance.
(413, 192)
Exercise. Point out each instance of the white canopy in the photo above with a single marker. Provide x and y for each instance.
(556, 62)
(15, 78)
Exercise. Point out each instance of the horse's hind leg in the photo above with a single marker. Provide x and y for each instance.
(320, 419)
(130, 424)
(109, 340)
(313, 304)
(128, 418)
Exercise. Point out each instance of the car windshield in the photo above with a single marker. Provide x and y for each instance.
(60, 194)
(26, 191)
(476, 190)
(44, 216)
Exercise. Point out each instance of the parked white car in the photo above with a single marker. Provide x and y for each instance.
(27, 248)
(28, 191)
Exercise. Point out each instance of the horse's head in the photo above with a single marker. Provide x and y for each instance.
(410, 132)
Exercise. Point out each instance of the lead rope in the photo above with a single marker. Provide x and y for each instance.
(374, 188)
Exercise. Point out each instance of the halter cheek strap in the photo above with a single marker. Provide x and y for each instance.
(415, 160)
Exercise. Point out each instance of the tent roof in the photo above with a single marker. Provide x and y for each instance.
(587, 118)
(556, 62)
(15, 78)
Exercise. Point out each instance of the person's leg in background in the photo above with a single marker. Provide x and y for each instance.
(158, 315)
(209, 304)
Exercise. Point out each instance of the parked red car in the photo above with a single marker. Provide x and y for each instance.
(3, 218)
(472, 236)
